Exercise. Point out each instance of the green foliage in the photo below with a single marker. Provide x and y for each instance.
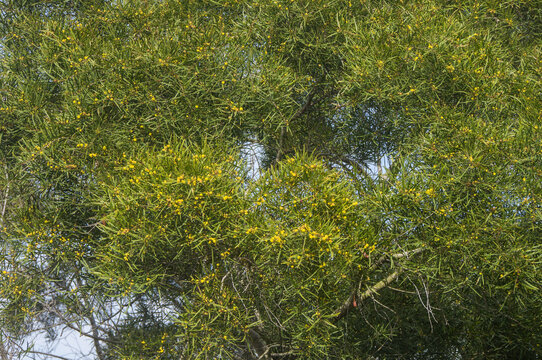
(273, 179)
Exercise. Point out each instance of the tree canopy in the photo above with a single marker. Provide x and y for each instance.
(272, 179)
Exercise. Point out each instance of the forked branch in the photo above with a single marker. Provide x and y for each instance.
(357, 297)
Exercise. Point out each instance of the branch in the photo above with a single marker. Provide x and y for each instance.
(298, 113)
(409, 253)
(258, 344)
(380, 285)
(48, 355)
(360, 168)
(6, 194)
(345, 307)
(3, 352)
(281, 140)
(283, 354)
(386, 258)
(275, 355)
(305, 106)
(93, 326)
(355, 295)
(67, 323)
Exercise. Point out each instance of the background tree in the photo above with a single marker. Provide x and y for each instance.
(394, 212)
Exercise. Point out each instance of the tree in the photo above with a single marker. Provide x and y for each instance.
(394, 210)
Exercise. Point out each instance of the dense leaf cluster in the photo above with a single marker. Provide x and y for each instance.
(313, 179)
